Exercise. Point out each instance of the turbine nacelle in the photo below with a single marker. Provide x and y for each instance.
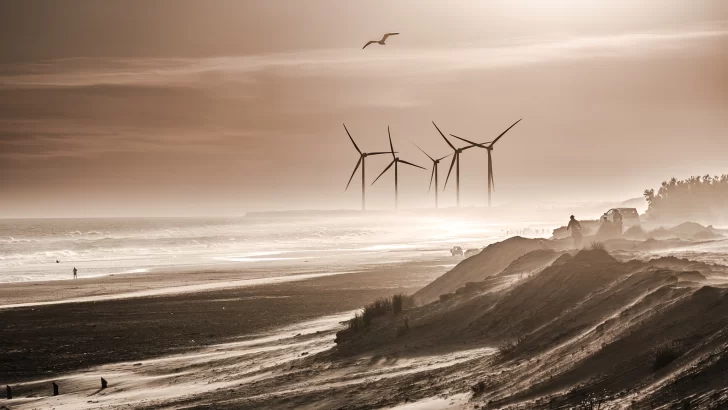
(395, 160)
(361, 161)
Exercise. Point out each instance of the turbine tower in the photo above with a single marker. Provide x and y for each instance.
(455, 159)
(362, 158)
(395, 162)
(434, 172)
(489, 147)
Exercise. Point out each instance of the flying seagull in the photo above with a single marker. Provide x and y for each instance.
(381, 42)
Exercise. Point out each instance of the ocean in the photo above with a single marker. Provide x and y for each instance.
(49, 249)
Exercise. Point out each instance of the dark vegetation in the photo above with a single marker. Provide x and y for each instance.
(510, 345)
(380, 307)
(667, 353)
(695, 198)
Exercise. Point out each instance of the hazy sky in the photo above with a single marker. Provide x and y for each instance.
(221, 107)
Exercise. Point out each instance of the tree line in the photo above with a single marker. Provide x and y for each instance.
(693, 199)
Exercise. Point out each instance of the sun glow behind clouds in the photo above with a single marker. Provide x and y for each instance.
(559, 7)
(587, 13)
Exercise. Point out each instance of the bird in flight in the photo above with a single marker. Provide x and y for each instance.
(380, 41)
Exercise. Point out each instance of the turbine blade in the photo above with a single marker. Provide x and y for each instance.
(443, 136)
(454, 157)
(472, 144)
(352, 174)
(432, 176)
(440, 159)
(503, 133)
(409, 163)
(378, 153)
(352, 139)
(390, 141)
(385, 170)
(423, 151)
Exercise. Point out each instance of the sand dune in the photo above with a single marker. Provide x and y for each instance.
(587, 327)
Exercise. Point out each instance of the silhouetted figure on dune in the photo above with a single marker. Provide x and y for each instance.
(75, 273)
(575, 227)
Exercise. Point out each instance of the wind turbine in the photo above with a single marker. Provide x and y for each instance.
(362, 158)
(489, 147)
(434, 170)
(395, 162)
(455, 159)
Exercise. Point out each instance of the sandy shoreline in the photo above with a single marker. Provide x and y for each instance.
(119, 293)
(105, 325)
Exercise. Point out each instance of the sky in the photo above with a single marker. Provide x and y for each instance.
(161, 108)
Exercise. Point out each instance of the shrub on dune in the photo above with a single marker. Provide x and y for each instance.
(356, 322)
(380, 307)
(666, 353)
(510, 345)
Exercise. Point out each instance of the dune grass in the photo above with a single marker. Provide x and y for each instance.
(510, 345)
(394, 304)
(597, 246)
(666, 353)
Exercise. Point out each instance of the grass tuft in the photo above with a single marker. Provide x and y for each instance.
(666, 353)
(380, 307)
(598, 246)
(510, 345)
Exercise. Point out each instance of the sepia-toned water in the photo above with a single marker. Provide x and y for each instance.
(29, 248)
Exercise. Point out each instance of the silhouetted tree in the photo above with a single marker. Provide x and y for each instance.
(696, 198)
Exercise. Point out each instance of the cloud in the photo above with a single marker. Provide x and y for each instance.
(375, 63)
(84, 107)
(20, 140)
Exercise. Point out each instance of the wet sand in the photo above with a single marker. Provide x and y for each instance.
(140, 316)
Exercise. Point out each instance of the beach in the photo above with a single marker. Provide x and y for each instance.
(153, 291)
(273, 332)
(115, 318)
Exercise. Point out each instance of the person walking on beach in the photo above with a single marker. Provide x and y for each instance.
(75, 273)
(575, 227)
